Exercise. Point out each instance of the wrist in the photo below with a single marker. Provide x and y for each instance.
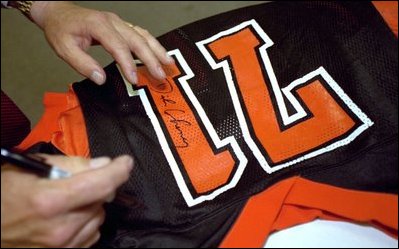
(38, 11)
(41, 10)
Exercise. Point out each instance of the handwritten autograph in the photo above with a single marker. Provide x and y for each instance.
(178, 123)
(163, 90)
(166, 101)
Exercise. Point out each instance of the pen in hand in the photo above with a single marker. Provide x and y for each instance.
(38, 167)
(43, 169)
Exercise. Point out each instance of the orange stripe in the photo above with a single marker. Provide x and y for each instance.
(257, 217)
(297, 200)
(62, 124)
(378, 209)
(389, 11)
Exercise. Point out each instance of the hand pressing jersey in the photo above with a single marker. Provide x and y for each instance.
(273, 115)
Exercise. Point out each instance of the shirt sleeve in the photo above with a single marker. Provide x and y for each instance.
(4, 4)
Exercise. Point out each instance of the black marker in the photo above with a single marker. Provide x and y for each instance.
(40, 168)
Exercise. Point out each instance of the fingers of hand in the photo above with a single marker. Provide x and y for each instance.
(150, 52)
(89, 233)
(155, 46)
(119, 39)
(75, 55)
(37, 210)
(73, 164)
(106, 34)
(64, 229)
(85, 188)
(144, 45)
(90, 242)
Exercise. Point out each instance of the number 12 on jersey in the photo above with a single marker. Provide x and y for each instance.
(203, 164)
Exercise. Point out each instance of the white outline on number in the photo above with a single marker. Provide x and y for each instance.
(300, 112)
(229, 141)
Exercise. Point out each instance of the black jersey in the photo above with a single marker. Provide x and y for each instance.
(257, 95)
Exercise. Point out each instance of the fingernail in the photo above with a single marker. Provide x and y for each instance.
(110, 198)
(161, 86)
(99, 162)
(170, 59)
(97, 77)
(128, 160)
(134, 77)
(161, 72)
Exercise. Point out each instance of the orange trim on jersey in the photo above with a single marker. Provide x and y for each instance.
(297, 200)
(389, 11)
(377, 209)
(257, 217)
(290, 202)
(62, 124)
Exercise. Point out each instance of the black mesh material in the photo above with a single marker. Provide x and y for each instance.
(349, 39)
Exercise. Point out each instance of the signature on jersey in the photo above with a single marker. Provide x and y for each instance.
(174, 114)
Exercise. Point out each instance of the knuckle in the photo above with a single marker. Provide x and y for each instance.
(126, 176)
(109, 187)
(139, 44)
(76, 160)
(141, 30)
(63, 52)
(145, 32)
(111, 15)
(119, 53)
(58, 236)
(99, 17)
(81, 187)
(93, 240)
(119, 49)
(120, 46)
(96, 237)
(42, 204)
(102, 217)
(90, 185)
(76, 164)
(153, 43)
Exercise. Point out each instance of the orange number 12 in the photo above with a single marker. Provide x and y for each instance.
(205, 166)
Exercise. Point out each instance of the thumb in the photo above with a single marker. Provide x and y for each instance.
(85, 188)
(75, 164)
